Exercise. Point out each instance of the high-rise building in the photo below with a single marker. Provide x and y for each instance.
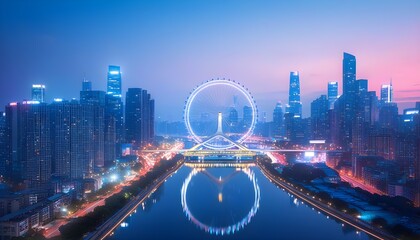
(77, 139)
(247, 117)
(30, 151)
(319, 118)
(278, 121)
(139, 111)
(4, 146)
(295, 106)
(86, 85)
(361, 120)
(386, 93)
(96, 99)
(38, 93)
(344, 107)
(361, 86)
(388, 116)
(233, 120)
(349, 74)
(332, 93)
(114, 81)
(115, 107)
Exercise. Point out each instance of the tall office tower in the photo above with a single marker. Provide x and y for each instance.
(349, 74)
(388, 116)
(38, 93)
(138, 111)
(361, 118)
(247, 117)
(5, 170)
(96, 99)
(361, 86)
(344, 107)
(319, 118)
(386, 93)
(332, 93)
(28, 126)
(74, 143)
(114, 81)
(278, 121)
(233, 120)
(86, 85)
(115, 106)
(61, 124)
(294, 94)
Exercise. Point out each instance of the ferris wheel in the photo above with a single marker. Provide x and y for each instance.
(220, 107)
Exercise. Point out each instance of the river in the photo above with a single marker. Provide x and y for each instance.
(227, 203)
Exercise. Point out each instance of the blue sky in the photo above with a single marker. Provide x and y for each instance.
(169, 47)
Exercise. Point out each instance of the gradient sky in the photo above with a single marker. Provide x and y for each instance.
(169, 47)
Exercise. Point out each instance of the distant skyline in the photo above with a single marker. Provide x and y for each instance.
(169, 47)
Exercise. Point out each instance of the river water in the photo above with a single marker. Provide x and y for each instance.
(227, 203)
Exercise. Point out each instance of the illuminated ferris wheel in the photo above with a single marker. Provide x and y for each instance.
(220, 107)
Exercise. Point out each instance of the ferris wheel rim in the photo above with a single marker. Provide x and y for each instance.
(230, 83)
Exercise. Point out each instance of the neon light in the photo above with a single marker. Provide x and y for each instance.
(38, 86)
(13, 104)
(114, 72)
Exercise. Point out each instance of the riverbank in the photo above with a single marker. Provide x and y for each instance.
(114, 204)
(273, 175)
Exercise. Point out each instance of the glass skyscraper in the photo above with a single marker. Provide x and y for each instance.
(114, 81)
(114, 104)
(386, 93)
(38, 92)
(139, 112)
(349, 73)
(332, 93)
(295, 106)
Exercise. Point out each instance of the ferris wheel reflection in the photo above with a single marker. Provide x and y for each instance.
(220, 183)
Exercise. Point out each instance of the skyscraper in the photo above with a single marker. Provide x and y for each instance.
(295, 106)
(233, 119)
(114, 105)
(86, 85)
(114, 81)
(139, 111)
(344, 107)
(4, 146)
(332, 93)
(96, 100)
(29, 131)
(361, 86)
(38, 93)
(386, 93)
(278, 121)
(247, 117)
(349, 74)
(319, 118)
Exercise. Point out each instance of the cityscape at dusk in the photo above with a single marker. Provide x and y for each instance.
(210, 119)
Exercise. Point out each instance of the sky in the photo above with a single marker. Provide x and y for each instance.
(170, 47)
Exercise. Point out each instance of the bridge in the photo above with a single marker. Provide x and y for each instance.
(231, 150)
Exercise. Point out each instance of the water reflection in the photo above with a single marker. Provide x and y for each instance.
(220, 182)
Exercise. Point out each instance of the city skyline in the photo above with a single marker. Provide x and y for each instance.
(152, 56)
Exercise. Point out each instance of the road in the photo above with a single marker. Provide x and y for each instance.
(356, 223)
(54, 230)
(356, 183)
(111, 224)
